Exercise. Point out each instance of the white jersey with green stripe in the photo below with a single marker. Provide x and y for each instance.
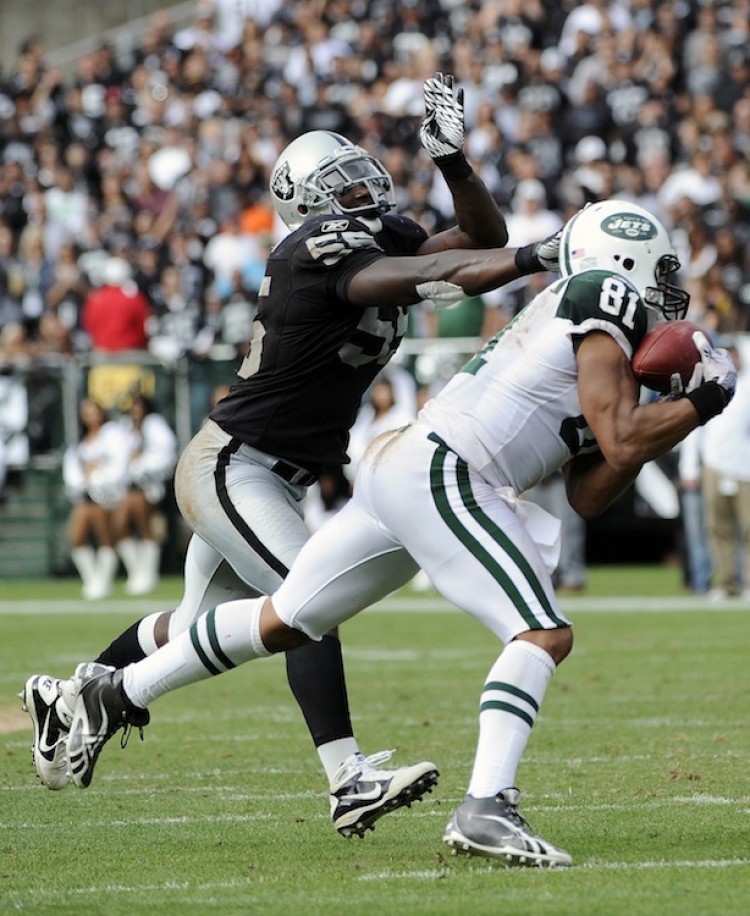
(513, 411)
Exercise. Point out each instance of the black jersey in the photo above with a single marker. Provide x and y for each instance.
(313, 354)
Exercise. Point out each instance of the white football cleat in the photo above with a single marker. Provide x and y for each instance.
(50, 702)
(51, 714)
(360, 793)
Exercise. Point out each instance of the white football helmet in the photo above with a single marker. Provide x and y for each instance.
(316, 169)
(625, 238)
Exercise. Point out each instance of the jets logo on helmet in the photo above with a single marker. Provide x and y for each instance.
(629, 226)
(620, 236)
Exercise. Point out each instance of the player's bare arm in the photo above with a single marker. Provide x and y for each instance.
(480, 224)
(629, 433)
(468, 272)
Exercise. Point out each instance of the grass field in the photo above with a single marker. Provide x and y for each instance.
(638, 765)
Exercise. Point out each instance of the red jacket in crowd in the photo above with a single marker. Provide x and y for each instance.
(115, 318)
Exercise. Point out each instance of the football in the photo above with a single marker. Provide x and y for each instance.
(667, 349)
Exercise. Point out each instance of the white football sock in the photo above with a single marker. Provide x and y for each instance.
(510, 701)
(145, 634)
(333, 753)
(219, 640)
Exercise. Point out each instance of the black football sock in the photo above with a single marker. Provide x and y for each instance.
(316, 676)
(123, 650)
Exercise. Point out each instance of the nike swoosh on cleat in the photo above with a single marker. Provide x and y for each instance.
(372, 795)
(43, 746)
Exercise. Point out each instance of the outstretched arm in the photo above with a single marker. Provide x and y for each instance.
(480, 224)
(440, 276)
(448, 276)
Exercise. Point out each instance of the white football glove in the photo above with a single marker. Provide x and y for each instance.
(717, 365)
(548, 251)
(711, 386)
(676, 387)
(441, 132)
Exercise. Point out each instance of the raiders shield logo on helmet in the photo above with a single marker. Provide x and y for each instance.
(281, 184)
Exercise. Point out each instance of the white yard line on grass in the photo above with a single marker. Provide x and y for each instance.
(104, 889)
(422, 813)
(431, 874)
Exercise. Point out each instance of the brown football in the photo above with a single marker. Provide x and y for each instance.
(667, 349)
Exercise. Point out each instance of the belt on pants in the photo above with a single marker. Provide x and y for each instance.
(291, 473)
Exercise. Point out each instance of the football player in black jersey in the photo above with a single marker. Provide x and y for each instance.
(332, 311)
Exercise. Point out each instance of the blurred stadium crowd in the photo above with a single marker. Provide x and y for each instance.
(151, 166)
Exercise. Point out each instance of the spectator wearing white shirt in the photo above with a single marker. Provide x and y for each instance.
(590, 19)
(529, 220)
(230, 17)
(531, 215)
(66, 212)
(227, 253)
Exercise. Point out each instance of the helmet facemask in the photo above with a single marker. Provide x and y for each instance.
(671, 301)
(323, 189)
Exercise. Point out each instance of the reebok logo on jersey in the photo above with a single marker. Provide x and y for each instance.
(629, 226)
(336, 225)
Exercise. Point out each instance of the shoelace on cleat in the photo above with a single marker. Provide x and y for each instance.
(380, 757)
(127, 728)
(515, 817)
(374, 760)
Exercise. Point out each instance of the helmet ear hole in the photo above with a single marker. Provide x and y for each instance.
(625, 263)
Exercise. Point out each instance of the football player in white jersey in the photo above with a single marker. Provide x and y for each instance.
(555, 389)
(319, 339)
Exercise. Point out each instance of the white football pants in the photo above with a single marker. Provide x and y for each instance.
(417, 504)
